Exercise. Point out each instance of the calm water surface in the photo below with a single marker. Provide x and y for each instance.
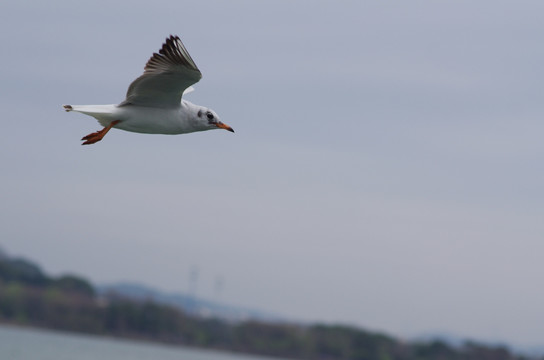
(30, 344)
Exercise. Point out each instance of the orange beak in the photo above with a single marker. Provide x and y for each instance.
(224, 126)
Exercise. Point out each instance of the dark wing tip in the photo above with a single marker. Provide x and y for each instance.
(172, 53)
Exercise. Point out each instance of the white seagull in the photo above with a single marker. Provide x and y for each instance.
(153, 104)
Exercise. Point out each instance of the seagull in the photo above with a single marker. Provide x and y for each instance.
(154, 104)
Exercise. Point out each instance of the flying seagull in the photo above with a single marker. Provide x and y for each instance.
(153, 104)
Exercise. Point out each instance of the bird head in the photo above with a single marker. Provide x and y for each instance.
(211, 120)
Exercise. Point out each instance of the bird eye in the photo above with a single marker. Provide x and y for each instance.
(209, 115)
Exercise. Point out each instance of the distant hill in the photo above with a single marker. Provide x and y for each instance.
(188, 304)
(30, 297)
(20, 270)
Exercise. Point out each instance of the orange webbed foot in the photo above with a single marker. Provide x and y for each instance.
(98, 135)
(93, 138)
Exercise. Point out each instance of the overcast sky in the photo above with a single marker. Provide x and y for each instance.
(386, 170)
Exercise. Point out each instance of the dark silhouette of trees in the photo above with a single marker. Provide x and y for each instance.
(29, 297)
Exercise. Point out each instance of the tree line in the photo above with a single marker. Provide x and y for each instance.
(29, 297)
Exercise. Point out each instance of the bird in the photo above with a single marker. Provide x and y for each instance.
(153, 103)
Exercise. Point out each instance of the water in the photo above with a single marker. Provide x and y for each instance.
(31, 344)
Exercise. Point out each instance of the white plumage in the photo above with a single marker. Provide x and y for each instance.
(153, 103)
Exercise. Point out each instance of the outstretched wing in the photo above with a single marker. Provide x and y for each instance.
(166, 75)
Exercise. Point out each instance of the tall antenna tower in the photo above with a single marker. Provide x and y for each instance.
(218, 286)
(193, 282)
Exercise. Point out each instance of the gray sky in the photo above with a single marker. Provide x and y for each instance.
(386, 169)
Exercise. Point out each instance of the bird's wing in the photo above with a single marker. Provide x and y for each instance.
(166, 75)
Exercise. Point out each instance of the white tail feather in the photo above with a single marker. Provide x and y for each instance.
(102, 113)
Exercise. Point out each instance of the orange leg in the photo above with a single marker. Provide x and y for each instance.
(97, 136)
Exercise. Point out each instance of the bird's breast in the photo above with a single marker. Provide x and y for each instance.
(149, 120)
